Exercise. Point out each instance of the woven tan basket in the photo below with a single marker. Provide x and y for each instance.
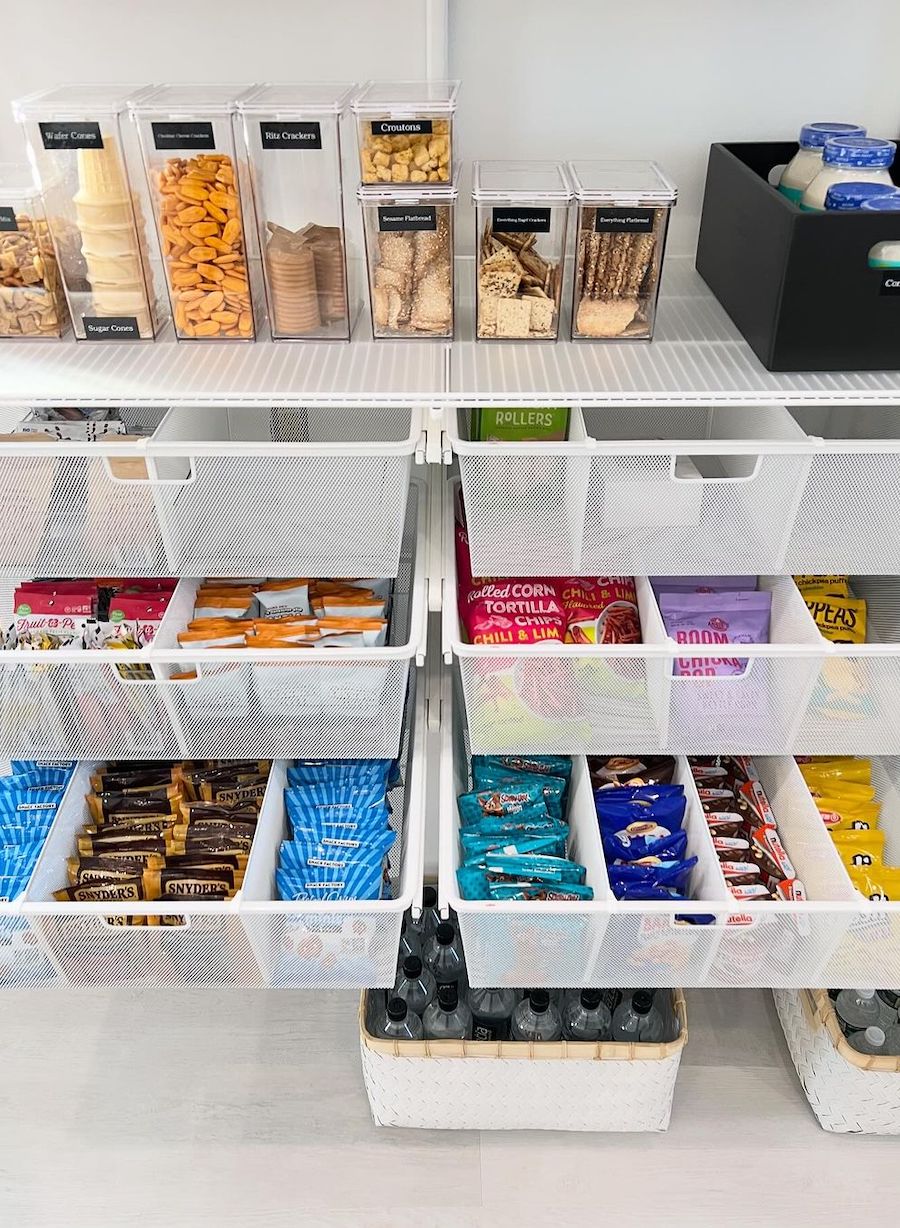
(849, 1092)
(508, 1085)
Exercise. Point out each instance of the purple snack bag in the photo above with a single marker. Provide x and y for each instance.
(703, 584)
(716, 618)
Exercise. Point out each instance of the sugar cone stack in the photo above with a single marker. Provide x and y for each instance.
(110, 243)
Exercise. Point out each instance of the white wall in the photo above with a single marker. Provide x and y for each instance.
(663, 79)
(576, 78)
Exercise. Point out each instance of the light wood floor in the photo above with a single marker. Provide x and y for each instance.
(247, 1110)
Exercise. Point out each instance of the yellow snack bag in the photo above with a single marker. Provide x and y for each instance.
(877, 882)
(840, 619)
(847, 791)
(805, 582)
(859, 848)
(857, 770)
(840, 588)
(838, 815)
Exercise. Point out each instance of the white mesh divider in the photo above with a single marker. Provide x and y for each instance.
(195, 944)
(342, 944)
(849, 516)
(284, 491)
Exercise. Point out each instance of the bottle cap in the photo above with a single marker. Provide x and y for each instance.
(412, 967)
(448, 997)
(863, 151)
(641, 1001)
(396, 1010)
(814, 136)
(591, 999)
(889, 202)
(540, 1000)
(429, 897)
(865, 993)
(445, 933)
(854, 195)
(875, 1036)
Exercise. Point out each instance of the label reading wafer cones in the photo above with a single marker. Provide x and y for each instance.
(73, 134)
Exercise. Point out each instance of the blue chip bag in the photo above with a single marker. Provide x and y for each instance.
(647, 891)
(535, 868)
(18, 766)
(55, 779)
(500, 803)
(663, 873)
(553, 788)
(475, 884)
(631, 827)
(323, 771)
(475, 847)
(23, 804)
(518, 824)
(629, 846)
(541, 765)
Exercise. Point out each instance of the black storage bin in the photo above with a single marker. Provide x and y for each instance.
(797, 284)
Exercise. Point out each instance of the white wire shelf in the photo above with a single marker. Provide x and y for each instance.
(697, 358)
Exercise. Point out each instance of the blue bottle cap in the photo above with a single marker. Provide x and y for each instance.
(854, 195)
(814, 136)
(889, 203)
(863, 151)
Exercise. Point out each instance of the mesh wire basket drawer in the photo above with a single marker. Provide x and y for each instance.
(608, 942)
(196, 943)
(849, 1092)
(514, 1085)
(285, 491)
(345, 945)
(555, 698)
(73, 509)
(653, 491)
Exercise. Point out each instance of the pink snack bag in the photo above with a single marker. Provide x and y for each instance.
(716, 618)
(514, 611)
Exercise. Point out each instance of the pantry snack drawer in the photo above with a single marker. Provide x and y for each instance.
(82, 148)
(510, 1085)
(341, 944)
(646, 491)
(193, 167)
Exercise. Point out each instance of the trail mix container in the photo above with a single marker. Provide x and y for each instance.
(623, 216)
(32, 304)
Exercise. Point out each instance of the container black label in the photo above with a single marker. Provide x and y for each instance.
(401, 127)
(407, 217)
(521, 221)
(890, 282)
(633, 221)
(183, 134)
(276, 135)
(8, 218)
(111, 328)
(76, 134)
(490, 1029)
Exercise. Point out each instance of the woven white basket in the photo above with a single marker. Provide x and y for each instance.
(849, 1092)
(513, 1085)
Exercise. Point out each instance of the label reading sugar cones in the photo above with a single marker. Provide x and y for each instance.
(275, 134)
(111, 328)
(407, 217)
(8, 218)
(74, 134)
(617, 221)
(520, 221)
(182, 134)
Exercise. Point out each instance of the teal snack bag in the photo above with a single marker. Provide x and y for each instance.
(501, 802)
(484, 777)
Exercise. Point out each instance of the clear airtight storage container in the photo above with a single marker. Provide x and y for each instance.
(31, 295)
(187, 139)
(82, 148)
(293, 135)
(409, 256)
(521, 211)
(623, 216)
(405, 131)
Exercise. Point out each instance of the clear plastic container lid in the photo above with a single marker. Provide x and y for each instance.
(304, 98)
(406, 97)
(408, 194)
(74, 102)
(17, 183)
(186, 100)
(629, 181)
(522, 181)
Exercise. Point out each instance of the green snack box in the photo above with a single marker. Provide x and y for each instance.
(520, 425)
